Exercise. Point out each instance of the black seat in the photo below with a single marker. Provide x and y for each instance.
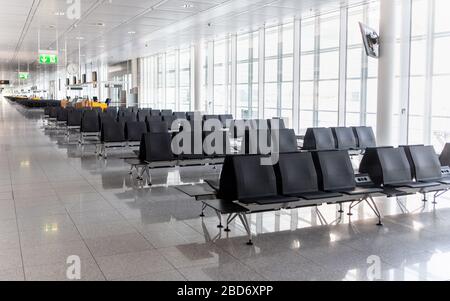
(180, 115)
(62, 115)
(153, 119)
(53, 114)
(390, 167)
(226, 118)
(319, 139)
(424, 162)
(156, 147)
(135, 130)
(297, 177)
(336, 174)
(257, 142)
(365, 137)
(143, 114)
(216, 144)
(188, 147)
(276, 123)
(105, 117)
(127, 117)
(111, 111)
(208, 117)
(90, 122)
(166, 113)
(246, 180)
(157, 127)
(170, 119)
(113, 132)
(285, 140)
(239, 127)
(445, 156)
(191, 115)
(74, 118)
(345, 138)
(155, 113)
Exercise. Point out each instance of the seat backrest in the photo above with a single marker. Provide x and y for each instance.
(135, 130)
(239, 127)
(113, 132)
(345, 138)
(74, 118)
(90, 122)
(169, 119)
(111, 111)
(256, 142)
(319, 139)
(335, 170)
(225, 118)
(424, 162)
(166, 113)
(62, 114)
(445, 156)
(156, 147)
(105, 117)
(387, 166)
(296, 174)
(155, 112)
(127, 117)
(276, 123)
(286, 141)
(211, 146)
(208, 117)
(157, 127)
(54, 112)
(365, 137)
(180, 115)
(142, 115)
(244, 178)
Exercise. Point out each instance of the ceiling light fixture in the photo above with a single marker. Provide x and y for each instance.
(60, 13)
(131, 32)
(79, 38)
(187, 5)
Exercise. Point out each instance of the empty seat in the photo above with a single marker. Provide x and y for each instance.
(180, 115)
(336, 174)
(259, 124)
(424, 162)
(155, 113)
(191, 115)
(142, 115)
(285, 140)
(135, 130)
(208, 117)
(90, 122)
(156, 147)
(365, 137)
(105, 117)
(74, 118)
(226, 119)
(153, 119)
(189, 148)
(256, 142)
(246, 180)
(345, 138)
(61, 115)
(319, 139)
(276, 123)
(166, 113)
(170, 119)
(445, 156)
(53, 114)
(390, 167)
(157, 127)
(113, 132)
(127, 117)
(239, 127)
(111, 111)
(216, 144)
(297, 177)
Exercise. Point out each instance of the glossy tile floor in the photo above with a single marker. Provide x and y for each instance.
(56, 201)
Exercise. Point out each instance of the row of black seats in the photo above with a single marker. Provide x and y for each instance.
(342, 138)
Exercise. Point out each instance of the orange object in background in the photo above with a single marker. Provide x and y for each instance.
(90, 104)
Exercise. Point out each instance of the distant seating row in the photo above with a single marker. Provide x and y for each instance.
(310, 179)
(343, 138)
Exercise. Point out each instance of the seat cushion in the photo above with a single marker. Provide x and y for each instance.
(416, 185)
(363, 191)
(320, 195)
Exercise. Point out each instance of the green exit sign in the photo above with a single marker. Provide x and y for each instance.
(23, 75)
(48, 59)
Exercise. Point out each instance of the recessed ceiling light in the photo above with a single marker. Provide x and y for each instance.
(60, 13)
(131, 32)
(79, 38)
(187, 5)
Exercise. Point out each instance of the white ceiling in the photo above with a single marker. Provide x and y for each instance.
(156, 24)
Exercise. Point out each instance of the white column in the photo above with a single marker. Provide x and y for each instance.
(197, 66)
(297, 61)
(386, 73)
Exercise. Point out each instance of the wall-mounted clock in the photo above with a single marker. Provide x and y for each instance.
(72, 69)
